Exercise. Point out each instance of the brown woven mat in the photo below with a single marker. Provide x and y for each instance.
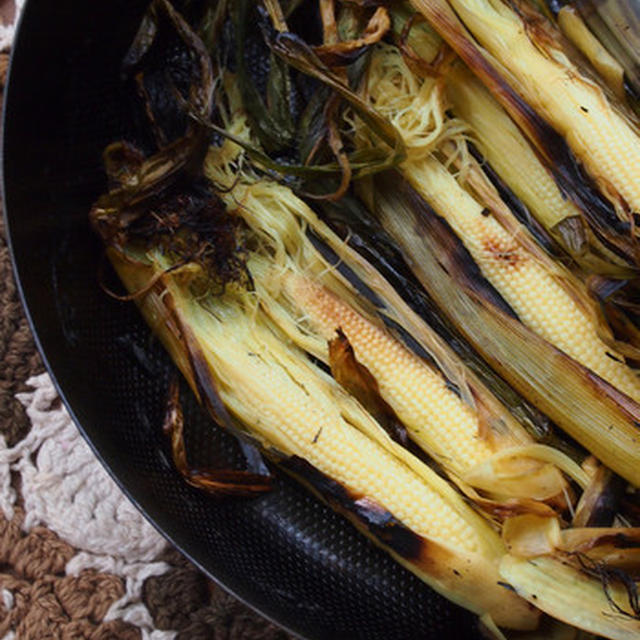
(38, 601)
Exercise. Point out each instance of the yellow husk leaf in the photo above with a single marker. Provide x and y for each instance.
(293, 409)
(562, 591)
(529, 535)
(603, 62)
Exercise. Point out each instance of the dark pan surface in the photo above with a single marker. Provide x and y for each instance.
(286, 554)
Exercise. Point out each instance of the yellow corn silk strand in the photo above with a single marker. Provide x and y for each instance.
(535, 288)
(598, 134)
(292, 408)
(310, 301)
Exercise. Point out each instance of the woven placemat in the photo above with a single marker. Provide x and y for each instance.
(50, 588)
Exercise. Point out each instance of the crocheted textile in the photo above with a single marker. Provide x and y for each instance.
(76, 558)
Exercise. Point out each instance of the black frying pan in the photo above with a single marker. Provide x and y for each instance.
(285, 554)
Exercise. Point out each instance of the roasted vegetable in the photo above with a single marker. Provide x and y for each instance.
(443, 407)
(542, 295)
(510, 155)
(327, 327)
(612, 25)
(589, 409)
(604, 140)
(607, 210)
(229, 348)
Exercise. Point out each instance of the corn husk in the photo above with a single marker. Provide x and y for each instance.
(602, 419)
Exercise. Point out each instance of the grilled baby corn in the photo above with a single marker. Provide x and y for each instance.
(304, 419)
(296, 342)
(311, 302)
(511, 156)
(601, 137)
(544, 296)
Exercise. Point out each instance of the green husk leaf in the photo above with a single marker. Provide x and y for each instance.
(299, 54)
(256, 154)
(362, 162)
(271, 121)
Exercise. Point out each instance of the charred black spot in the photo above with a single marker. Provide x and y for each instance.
(572, 180)
(622, 541)
(631, 89)
(319, 363)
(456, 572)
(614, 357)
(328, 488)
(486, 212)
(607, 504)
(584, 109)
(207, 392)
(506, 585)
(555, 6)
(452, 386)
(575, 184)
(412, 343)
(384, 526)
(496, 249)
(193, 225)
(330, 255)
(381, 523)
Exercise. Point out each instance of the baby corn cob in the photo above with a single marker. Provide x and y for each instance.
(536, 294)
(511, 156)
(417, 392)
(300, 295)
(602, 419)
(303, 419)
(437, 419)
(506, 149)
(604, 141)
(533, 287)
